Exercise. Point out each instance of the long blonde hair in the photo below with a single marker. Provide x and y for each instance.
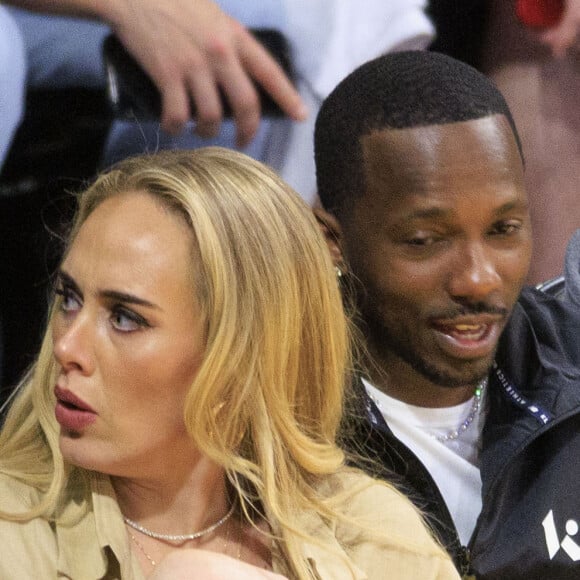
(267, 401)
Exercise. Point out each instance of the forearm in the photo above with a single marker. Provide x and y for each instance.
(193, 51)
(110, 11)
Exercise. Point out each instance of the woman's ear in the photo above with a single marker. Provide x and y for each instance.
(332, 233)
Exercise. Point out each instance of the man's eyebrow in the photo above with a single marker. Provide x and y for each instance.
(427, 213)
(438, 212)
(511, 205)
(67, 280)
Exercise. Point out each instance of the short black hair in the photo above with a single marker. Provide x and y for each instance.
(399, 90)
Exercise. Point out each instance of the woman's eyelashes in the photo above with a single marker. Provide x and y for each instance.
(69, 299)
(124, 319)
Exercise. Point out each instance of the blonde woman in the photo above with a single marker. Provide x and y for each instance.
(187, 395)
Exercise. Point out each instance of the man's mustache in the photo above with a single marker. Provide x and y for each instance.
(470, 309)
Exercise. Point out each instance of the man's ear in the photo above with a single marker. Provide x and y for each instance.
(332, 232)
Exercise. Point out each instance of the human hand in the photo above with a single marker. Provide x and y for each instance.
(190, 564)
(190, 50)
(565, 34)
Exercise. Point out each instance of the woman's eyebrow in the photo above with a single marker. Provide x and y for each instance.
(127, 298)
(68, 281)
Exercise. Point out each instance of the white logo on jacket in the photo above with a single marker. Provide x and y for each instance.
(554, 544)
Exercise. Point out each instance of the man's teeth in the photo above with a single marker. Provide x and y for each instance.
(467, 327)
(468, 331)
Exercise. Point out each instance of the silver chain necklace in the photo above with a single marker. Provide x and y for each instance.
(473, 412)
(464, 426)
(179, 538)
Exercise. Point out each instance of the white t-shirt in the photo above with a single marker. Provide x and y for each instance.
(454, 464)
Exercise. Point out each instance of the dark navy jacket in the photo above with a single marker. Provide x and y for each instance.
(529, 526)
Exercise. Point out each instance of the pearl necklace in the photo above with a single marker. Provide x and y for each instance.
(464, 426)
(177, 538)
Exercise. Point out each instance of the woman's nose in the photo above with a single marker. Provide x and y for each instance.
(73, 342)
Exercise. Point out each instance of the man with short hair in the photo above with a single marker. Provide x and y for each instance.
(420, 172)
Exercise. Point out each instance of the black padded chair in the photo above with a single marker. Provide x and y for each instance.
(55, 151)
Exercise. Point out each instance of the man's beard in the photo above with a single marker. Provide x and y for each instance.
(385, 345)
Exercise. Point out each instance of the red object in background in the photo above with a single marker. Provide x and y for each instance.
(539, 13)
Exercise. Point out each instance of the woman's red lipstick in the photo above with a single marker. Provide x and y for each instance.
(72, 413)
